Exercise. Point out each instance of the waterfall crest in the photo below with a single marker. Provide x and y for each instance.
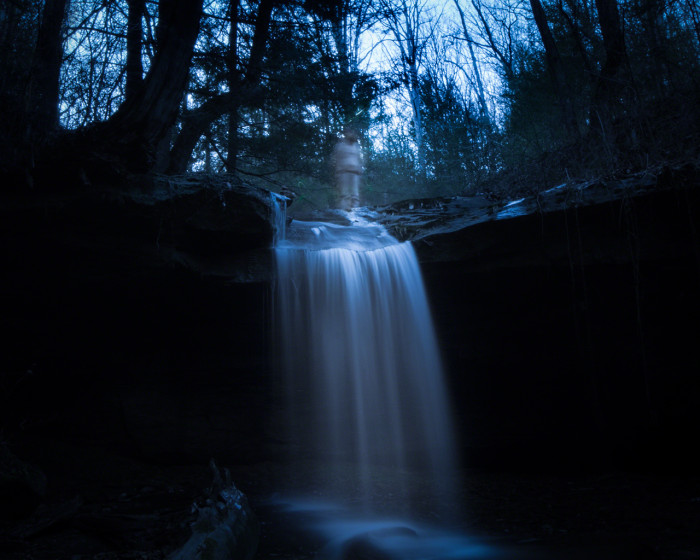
(364, 379)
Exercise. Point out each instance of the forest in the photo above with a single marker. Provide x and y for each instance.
(451, 97)
(144, 349)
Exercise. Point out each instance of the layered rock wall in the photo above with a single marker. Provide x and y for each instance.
(143, 321)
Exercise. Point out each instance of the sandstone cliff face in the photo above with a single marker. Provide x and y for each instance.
(567, 321)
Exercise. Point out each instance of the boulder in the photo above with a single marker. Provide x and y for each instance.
(225, 527)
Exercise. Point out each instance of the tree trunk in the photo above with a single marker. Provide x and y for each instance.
(14, 113)
(652, 16)
(46, 71)
(695, 15)
(196, 123)
(345, 64)
(506, 61)
(577, 35)
(475, 65)
(257, 51)
(613, 41)
(556, 69)
(134, 131)
(9, 21)
(134, 32)
(233, 84)
(414, 95)
(608, 87)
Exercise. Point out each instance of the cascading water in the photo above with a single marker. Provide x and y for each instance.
(278, 209)
(365, 383)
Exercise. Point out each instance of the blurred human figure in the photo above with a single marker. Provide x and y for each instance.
(347, 157)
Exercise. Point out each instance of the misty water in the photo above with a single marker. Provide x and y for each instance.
(366, 399)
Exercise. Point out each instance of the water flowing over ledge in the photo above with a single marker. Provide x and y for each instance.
(362, 367)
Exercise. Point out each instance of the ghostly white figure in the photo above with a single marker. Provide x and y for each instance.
(347, 157)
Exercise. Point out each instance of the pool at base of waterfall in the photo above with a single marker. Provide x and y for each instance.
(342, 533)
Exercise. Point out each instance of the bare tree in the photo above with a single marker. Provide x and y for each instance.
(694, 12)
(103, 60)
(410, 25)
(233, 82)
(615, 53)
(338, 28)
(134, 43)
(475, 65)
(555, 68)
(577, 28)
(498, 26)
(46, 69)
(196, 122)
(130, 138)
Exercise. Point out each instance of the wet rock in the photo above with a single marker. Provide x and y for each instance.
(435, 222)
(44, 517)
(225, 528)
(211, 225)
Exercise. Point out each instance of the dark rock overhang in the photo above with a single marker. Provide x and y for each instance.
(212, 225)
(591, 219)
(215, 226)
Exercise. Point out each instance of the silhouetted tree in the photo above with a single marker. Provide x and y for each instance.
(475, 65)
(608, 87)
(134, 34)
(234, 78)
(142, 121)
(410, 26)
(556, 69)
(103, 90)
(196, 122)
(497, 33)
(46, 68)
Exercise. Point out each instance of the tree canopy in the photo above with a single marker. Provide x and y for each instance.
(450, 96)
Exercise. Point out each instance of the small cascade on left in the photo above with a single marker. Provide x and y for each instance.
(278, 209)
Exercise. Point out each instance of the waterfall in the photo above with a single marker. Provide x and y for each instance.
(364, 379)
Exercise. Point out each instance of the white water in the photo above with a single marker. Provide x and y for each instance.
(278, 207)
(365, 384)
